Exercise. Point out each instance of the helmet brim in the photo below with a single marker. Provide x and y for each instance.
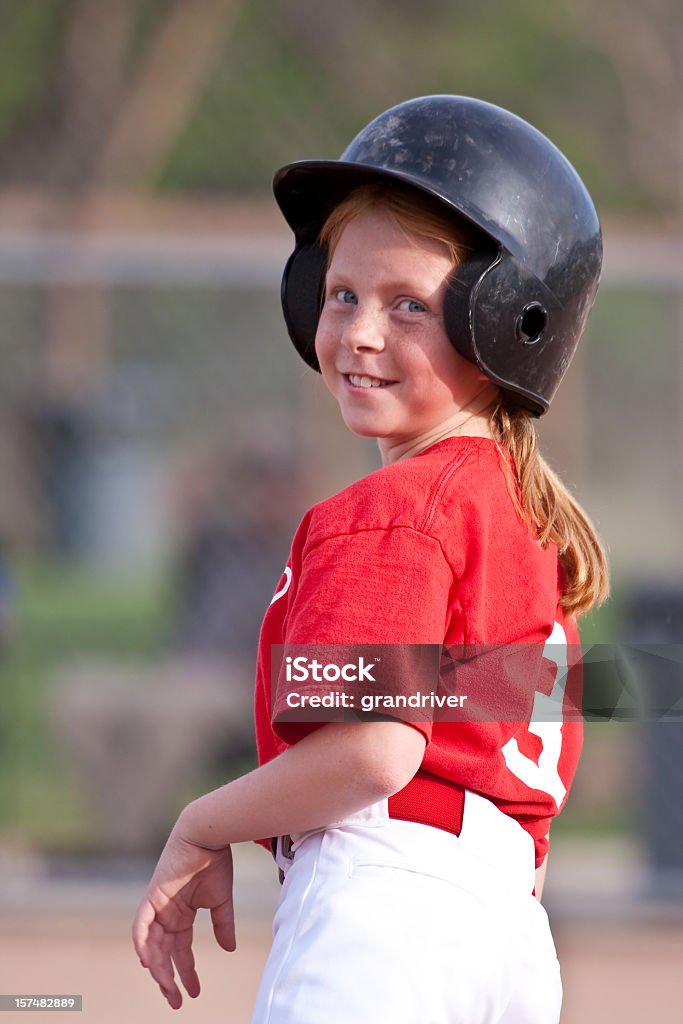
(308, 190)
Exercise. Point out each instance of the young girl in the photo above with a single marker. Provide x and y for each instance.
(443, 271)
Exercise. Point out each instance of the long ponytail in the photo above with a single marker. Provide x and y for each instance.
(554, 514)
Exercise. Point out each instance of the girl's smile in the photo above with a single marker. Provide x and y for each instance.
(381, 344)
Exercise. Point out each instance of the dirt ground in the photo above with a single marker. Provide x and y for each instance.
(626, 976)
(624, 968)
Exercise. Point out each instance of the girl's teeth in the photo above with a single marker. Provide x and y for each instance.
(366, 382)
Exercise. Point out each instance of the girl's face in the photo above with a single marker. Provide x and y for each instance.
(381, 343)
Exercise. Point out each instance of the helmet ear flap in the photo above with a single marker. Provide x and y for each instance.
(301, 296)
(458, 312)
(504, 320)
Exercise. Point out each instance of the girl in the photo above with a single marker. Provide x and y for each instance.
(442, 274)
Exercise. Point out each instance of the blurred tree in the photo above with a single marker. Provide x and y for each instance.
(81, 83)
(105, 104)
(161, 96)
(298, 79)
(209, 96)
(644, 43)
(28, 33)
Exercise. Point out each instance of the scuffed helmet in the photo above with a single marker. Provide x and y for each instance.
(517, 308)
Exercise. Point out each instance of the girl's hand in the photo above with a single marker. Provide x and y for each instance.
(186, 878)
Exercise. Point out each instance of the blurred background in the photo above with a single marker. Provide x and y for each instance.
(159, 438)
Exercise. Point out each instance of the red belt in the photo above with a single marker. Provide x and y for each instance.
(429, 800)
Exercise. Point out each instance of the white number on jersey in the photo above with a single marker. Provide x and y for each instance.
(544, 775)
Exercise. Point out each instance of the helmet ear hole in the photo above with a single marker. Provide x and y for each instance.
(531, 323)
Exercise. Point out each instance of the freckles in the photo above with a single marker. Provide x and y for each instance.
(322, 343)
(325, 353)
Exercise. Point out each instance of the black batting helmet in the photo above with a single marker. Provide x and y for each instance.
(518, 307)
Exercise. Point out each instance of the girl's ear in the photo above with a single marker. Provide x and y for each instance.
(301, 296)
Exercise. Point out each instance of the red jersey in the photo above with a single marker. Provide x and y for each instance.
(431, 550)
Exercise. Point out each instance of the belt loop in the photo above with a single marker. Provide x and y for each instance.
(286, 847)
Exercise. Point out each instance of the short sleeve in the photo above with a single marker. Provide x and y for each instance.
(369, 587)
(374, 586)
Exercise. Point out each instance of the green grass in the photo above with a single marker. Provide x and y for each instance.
(63, 610)
(63, 615)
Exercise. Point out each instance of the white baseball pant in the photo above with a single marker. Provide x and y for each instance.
(383, 921)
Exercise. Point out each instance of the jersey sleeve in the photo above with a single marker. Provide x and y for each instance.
(387, 587)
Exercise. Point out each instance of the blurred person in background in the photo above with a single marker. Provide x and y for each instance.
(237, 515)
(238, 524)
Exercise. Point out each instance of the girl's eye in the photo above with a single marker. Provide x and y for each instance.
(411, 306)
(346, 295)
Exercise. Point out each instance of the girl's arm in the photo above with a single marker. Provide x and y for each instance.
(331, 773)
(328, 775)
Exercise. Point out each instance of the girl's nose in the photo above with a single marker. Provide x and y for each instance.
(364, 331)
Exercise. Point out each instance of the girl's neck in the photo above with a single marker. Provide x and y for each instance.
(471, 425)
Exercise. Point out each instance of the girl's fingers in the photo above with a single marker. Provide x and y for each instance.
(160, 965)
(223, 920)
(162, 928)
(155, 947)
(158, 950)
(141, 924)
(183, 958)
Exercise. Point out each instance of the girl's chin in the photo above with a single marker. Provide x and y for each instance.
(363, 428)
